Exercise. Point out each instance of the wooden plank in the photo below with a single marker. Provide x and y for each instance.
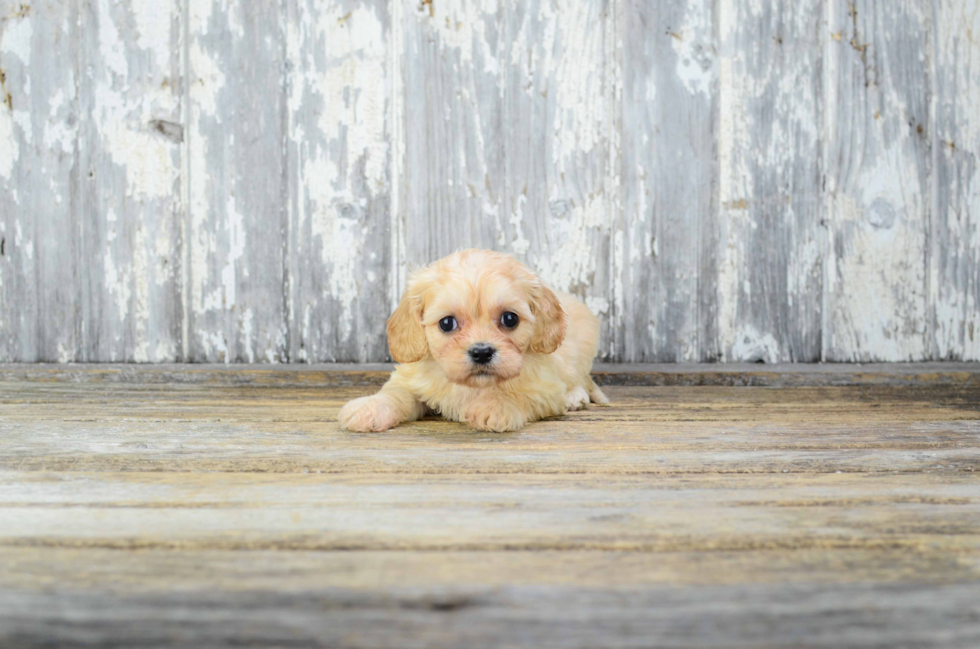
(914, 375)
(878, 180)
(129, 194)
(955, 225)
(339, 182)
(237, 219)
(768, 235)
(39, 247)
(212, 514)
(207, 511)
(732, 616)
(37, 569)
(518, 158)
(669, 175)
(651, 431)
(453, 163)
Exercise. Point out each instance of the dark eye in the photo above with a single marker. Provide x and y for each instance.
(509, 319)
(448, 324)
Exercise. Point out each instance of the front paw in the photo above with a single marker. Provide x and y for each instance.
(576, 399)
(495, 417)
(369, 415)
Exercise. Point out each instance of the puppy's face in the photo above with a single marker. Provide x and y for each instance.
(477, 313)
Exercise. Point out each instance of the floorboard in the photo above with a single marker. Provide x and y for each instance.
(208, 506)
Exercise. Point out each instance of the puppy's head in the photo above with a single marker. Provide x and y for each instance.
(477, 313)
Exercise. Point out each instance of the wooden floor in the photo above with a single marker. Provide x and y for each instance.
(197, 506)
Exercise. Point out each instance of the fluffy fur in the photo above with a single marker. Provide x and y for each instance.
(540, 367)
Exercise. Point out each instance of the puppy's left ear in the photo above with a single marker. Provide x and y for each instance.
(406, 338)
(550, 321)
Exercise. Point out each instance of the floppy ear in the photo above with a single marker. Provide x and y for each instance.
(406, 338)
(550, 322)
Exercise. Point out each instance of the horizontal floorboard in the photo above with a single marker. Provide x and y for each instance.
(227, 508)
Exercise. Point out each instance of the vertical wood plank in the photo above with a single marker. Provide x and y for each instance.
(769, 273)
(237, 190)
(38, 130)
(669, 174)
(129, 191)
(339, 185)
(878, 180)
(955, 244)
(453, 175)
(507, 138)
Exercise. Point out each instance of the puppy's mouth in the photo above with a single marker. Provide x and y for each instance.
(482, 376)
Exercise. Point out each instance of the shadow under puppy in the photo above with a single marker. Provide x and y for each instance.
(481, 340)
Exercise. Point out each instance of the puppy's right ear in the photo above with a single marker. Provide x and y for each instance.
(406, 338)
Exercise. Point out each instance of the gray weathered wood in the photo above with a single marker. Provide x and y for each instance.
(539, 615)
(670, 74)
(129, 190)
(236, 235)
(233, 511)
(39, 208)
(769, 241)
(878, 180)
(955, 225)
(228, 181)
(339, 257)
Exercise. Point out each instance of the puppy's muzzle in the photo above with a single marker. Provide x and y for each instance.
(482, 353)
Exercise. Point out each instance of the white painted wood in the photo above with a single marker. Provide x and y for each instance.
(955, 225)
(129, 171)
(39, 203)
(221, 181)
(339, 181)
(670, 74)
(237, 214)
(768, 257)
(878, 180)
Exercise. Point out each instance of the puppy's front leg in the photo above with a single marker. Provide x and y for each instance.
(386, 409)
(492, 412)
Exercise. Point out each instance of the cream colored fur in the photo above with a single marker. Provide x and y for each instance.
(541, 368)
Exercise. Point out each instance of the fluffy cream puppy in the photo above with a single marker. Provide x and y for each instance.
(481, 340)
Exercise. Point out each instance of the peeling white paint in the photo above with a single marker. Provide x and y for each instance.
(552, 68)
(207, 80)
(117, 285)
(9, 145)
(111, 48)
(16, 40)
(352, 90)
(153, 21)
(750, 345)
(569, 267)
(141, 297)
(693, 43)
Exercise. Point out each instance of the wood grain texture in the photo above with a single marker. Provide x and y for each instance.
(237, 216)
(221, 181)
(769, 284)
(39, 209)
(234, 512)
(878, 180)
(339, 183)
(955, 225)
(129, 168)
(669, 177)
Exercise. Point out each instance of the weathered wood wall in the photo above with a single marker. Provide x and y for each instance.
(222, 180)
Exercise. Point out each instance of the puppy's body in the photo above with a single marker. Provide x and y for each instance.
(538, 368)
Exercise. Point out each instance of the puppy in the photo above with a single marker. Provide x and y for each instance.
(481, 340)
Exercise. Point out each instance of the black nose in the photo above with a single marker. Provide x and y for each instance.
(482, 353)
